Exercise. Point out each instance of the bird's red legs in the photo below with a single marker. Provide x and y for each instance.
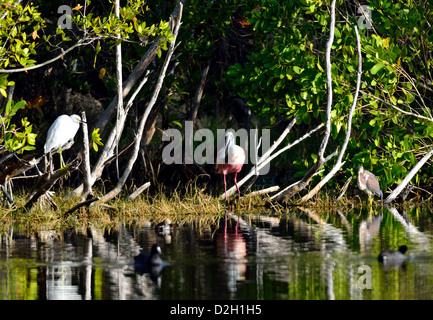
(225, 186)
(236, 183)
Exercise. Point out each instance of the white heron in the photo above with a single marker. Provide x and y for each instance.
(63, 130)
(230, 159)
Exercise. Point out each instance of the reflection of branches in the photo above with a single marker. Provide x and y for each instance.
(327, 230)
(413, 232)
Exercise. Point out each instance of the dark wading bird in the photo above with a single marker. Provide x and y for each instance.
(368, 183)
(391, 258)
(150, 263)
(230, 159)
(63, 130)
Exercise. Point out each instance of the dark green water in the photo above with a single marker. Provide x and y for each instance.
(303, 255)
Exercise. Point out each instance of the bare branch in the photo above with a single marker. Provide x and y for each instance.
(407, 179)
(339, 163)
(81, 42)
(139, 191)
(46, 184)
(328, 84)
(81, 204)
(343, 190)
(175, 27)
(265, 159)
(198, 94)
(86, 158)
(320, 159)
(119, 80)
(264, 191)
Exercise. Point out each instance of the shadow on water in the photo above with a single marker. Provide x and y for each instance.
(302, 254)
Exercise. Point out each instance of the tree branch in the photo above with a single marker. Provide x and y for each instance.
(175, 27)
(86, 158)
(320, 156)
(339, 163)
(407, 179)
(266, 158)
(81, 42)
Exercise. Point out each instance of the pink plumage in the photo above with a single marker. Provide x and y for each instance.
(230, 159)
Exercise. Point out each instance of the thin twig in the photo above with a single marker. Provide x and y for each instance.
(81, 204)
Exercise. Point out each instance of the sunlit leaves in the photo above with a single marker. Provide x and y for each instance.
(96, 138)
(285, 77)
(16, 137)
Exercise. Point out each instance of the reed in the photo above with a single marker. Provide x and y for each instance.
(192, 205)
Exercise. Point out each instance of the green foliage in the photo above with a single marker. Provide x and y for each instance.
(130, 25)
(14, 137)
(26, 39)
(285, 77)
(19, 27)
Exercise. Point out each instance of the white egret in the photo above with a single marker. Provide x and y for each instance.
(63, 130)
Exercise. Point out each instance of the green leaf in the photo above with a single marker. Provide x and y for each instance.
(297, 69)
(377, 67)
(177, 123)
(96, 138)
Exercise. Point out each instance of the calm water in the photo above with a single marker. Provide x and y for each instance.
(298, 255)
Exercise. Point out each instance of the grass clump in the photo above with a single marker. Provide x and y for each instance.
(192, 205)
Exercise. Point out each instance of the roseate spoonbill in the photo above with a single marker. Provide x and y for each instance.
(63, 129)
(230, 159)
(368, 183)
(393, 258)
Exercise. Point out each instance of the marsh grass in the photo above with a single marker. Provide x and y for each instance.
(191, 205)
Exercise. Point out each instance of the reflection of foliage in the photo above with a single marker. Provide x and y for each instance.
(20, 281)
(285, 77)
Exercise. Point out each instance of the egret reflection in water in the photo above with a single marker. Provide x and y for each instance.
(300, 254)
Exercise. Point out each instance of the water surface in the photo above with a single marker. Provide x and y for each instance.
(301, 254)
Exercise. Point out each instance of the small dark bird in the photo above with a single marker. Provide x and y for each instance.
(151, 259)
(393, 258)
(164, 227)
(149, 263)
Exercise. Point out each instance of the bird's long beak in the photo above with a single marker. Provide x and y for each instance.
(226, 150)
